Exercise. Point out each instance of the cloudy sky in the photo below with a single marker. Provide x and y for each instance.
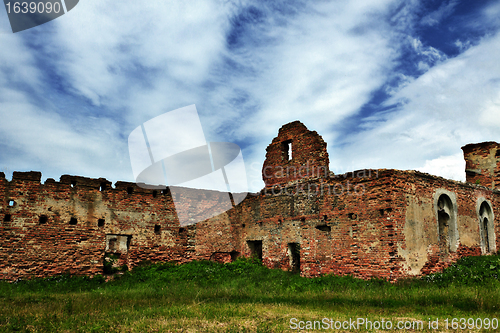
(388, 84)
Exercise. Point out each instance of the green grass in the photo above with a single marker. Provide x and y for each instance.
(242, 297)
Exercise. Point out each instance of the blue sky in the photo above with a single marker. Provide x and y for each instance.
(388, 84)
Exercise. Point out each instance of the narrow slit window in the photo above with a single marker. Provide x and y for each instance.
(287, 150)
(100, 223)
(157, 229)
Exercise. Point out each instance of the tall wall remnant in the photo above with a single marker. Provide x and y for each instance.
(296, 153)
(482, 164)
(366, 223)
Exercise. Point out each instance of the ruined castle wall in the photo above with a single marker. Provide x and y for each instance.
(72, 225)
(423, 248)
(369, 223)
(344, 225)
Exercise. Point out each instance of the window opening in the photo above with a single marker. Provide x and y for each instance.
(326, 228)
(7, 218)
(287, 150)
(43, 219)
(73, 221)
(255, 248)
(445, 208)
(12, 203)
(486, 227)
(234, 255)
(100, 223)
(294, 256)
(157, 229)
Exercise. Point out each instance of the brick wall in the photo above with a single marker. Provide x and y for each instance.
(367, 223)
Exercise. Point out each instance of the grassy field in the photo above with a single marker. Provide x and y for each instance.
(246, 297)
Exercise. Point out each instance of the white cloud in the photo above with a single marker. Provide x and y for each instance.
(119, 66)
(453, 104)
(451, 167)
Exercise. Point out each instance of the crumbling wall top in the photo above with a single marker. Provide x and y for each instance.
(35, 176)
(294, 154)
(482, 163)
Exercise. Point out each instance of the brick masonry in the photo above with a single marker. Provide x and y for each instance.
(366, 223)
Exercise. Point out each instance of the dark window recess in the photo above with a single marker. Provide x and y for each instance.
(73, 183)
(100, 223)
(294, 256)
(157, 229)
(7, 218)
(102, 187)
(325, 218)
(73, 221)
(279, 221)
(130, 190)
(234, 255)
(497, 154)
(287, 150)
(303, 220)
(42, 219)
(164, 192)
(326, 228)
(384, 211)
(471, 173)
(12, 203)
(182, 231)
(352, 216)
(255, 248)
(155, 193)
(243, 225)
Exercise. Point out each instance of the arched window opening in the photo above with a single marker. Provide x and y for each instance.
(446, 224)
(486, 230)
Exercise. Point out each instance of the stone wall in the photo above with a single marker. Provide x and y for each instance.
(71, 226)
(367, 223)
(482, 163)
(296, 153)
